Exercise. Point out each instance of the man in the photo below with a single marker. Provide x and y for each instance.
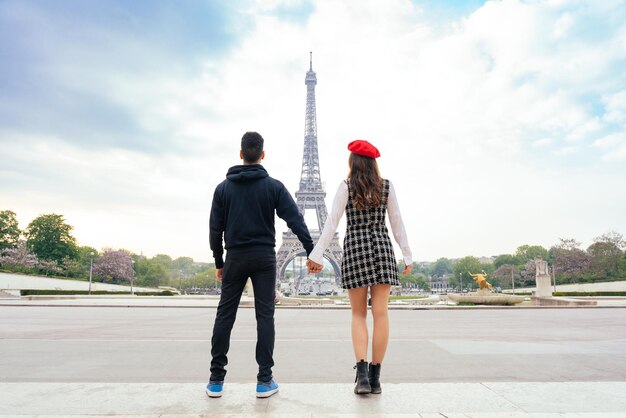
(243, 214)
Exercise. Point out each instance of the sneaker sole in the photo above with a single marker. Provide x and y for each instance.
(213, 394)
(266, 394)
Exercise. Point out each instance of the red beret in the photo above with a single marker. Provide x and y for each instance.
(363, 147)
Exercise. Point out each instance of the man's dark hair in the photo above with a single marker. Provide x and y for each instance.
(252, 146)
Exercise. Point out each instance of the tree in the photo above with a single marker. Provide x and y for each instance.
(183, 268)
(164, 259)
(184, 264)
(151, 272)
(168, 264)
(509, 259)
(50, 238)
(204, 279)
(49, 266)
(468, 265)
(414, 280)
(421, 282)
(19, 258)
(529, 252)
(569, 260)
(529, 272)
(114, 266)
(606, 252)
(9, 230)
(506, 275)
(79, 267)
(441, 267)
(463, 268)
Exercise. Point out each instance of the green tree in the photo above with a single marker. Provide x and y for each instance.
(509, 259)
(50, 238)
(9, 229)
(441, 267)
(463, 268)
(79, 267)
(606, 252)
(184, 264)
(163, 259)
(182, 269)
(414, 280)
(151, 272)
(526, 253)
(203, 280)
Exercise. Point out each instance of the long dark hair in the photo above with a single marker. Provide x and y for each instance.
(365, 181)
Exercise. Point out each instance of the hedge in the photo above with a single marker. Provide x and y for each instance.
(30, 292)
(589, 294)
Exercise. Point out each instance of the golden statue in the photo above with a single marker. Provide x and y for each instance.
(481, 281)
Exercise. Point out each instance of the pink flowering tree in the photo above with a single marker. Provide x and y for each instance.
(19, 258)
(114, 266)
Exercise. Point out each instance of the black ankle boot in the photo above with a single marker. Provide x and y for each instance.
(374, 377)
(362, 384)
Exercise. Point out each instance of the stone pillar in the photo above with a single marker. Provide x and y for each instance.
(543, 280)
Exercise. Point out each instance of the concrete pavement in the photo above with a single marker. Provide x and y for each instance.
(489, 399)
(57, 360)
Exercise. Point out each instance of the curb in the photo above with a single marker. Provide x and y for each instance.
(310, 307)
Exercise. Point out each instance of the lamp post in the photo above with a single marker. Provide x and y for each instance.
(512, 281)
(132, 277)
(461, 281)
(90, 270)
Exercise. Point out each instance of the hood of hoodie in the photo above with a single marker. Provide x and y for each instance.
(243, 173)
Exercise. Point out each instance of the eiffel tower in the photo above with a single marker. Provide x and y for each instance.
(311, 194)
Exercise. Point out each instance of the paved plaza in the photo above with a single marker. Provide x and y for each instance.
(154, 361)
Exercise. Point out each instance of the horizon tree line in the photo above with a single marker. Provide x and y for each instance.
(48, 247)
(603, 260)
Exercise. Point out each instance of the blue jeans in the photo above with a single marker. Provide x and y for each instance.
(261, 268)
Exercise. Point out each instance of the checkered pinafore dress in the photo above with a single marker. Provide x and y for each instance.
(368, 257)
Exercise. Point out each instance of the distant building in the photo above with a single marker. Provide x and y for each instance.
(439, 284)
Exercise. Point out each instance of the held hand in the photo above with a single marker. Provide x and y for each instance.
(218, 274)
(313, 267)
(407, 269)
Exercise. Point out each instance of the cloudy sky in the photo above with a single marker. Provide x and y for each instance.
(500, 123)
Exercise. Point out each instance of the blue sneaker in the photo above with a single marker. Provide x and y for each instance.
(266, 389)
(214, 389)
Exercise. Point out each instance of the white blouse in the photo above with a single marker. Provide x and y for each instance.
(339, 206)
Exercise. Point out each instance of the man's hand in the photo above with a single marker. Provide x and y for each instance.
(407, 269)
(218, 274)
(313, 267)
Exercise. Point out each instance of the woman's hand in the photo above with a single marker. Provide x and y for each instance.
(313, 267)
(407, 269)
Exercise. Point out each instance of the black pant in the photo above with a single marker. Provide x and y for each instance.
(261, 268)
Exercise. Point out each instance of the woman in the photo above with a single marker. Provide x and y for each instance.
(368, 257)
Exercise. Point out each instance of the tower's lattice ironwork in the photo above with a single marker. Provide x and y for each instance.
(310, 194)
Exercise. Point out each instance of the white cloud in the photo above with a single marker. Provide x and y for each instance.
(613, 145)
(616, 108)
(542, 142)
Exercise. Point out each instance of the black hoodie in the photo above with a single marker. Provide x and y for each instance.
(243, 213)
